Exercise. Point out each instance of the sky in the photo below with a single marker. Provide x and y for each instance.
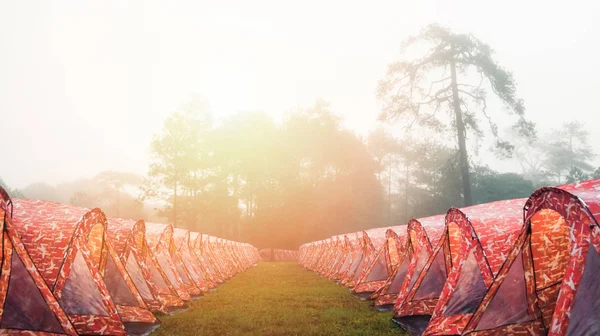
(84, 85)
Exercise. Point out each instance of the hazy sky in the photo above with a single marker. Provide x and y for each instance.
(85, 84)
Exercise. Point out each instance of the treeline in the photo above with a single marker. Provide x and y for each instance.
(272, 184)
(306, 178)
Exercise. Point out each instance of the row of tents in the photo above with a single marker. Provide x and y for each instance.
(271, 254)
(514, 267)
(67, 270)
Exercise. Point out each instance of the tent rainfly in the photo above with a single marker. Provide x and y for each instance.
(548, 284)
(28, 306)
(196, 248)
(376, 268)
(356, 257)
(160, 241)
(422, 236)
(462, 267)
(129, 240)
(182, 244)
(66, 245)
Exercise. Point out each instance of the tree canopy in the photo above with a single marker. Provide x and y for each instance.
(446, 88)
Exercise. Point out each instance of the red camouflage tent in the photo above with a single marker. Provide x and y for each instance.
(129, 240)
(355, 251)
(209, 273)
(422, 236)
(462, 267)
(376, 269)
(210, 259)
(66, 245)
(346, 260)
(160, 241)
(38, 312)
(190, 262)
(548, 284)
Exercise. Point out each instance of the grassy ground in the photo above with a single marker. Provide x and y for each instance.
(279, 299)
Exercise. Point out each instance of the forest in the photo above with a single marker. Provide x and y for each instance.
(281, 183)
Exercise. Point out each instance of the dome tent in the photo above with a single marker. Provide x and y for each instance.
(463, 265)
(160, 241)
(182, 244)
(548, 283)
(422, 235)
(38, 312)
(376, 269)
(66, 245)
(129, 240)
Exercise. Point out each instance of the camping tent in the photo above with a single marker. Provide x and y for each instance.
(125, 292)
(210, 260)
(131, 241)
(376, 269)
(190, 262)
(395, 252)
(66, 245)
(548, 283)
(346, 260)
(315, 255)
(325, 259)
(355, 252)
(28, 305)
(422, 236)
(196, 247)
(462, 267)
(336, 256)
(159, 238)
(128, 239)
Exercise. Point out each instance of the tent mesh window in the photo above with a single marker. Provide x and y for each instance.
(470, 288)
(138, 278)
(25, 307)
(337, 259)
(81, 295)
(509, 304)
(355, 263)
(379, 270)
(117, 287)
(585, 313)
(421, 261)
(166, 267)
(359, 269)
(157, 278)
(434, 280)
(399, 277)
(182, 273)
(345, 264)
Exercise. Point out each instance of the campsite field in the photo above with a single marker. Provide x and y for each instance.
(279, 298)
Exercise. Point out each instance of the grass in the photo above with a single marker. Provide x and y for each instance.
(279, 298)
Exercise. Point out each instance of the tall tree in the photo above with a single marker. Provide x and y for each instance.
(455, 74)
(176, 154)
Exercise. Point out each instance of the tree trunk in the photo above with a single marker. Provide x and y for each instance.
(462, 143)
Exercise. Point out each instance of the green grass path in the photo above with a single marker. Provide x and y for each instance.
(279, 298)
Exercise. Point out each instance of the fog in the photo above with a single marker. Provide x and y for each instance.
(85, 85)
